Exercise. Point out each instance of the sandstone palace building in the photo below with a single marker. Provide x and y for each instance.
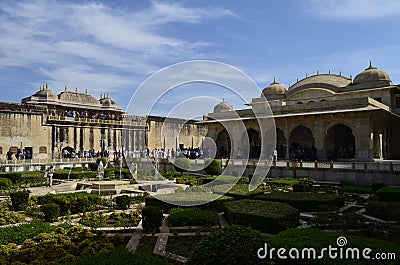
(321, 117)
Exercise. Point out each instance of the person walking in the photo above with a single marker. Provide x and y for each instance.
(50, 173)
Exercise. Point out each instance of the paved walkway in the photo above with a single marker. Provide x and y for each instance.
(68, 186)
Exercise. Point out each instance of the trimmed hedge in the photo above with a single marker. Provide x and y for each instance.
(72, 202)
(123, 202)
(152, 217)
(389, 194)
(237, 191)
(384, 210)
(5, 183)
(192, 217)
(319, 239)
(32, 178)
(64, 174)
(7, 217)
(19, 199)
(185, 198)
(213, 167)
(232, 244)
(305, 201)
(51, 211)
(269, 217)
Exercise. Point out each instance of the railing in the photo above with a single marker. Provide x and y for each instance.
(89, 120)
(39, 161)
(359, 165)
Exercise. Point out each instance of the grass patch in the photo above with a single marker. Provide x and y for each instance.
(266, 216)
(305, 201)
(192, 217)
(182, 245)
(18, 234)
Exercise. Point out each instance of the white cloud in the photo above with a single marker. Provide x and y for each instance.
(93, 45)
(353, 9)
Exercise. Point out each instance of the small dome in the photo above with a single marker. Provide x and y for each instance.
(274, 89)
(372, 74)
(223, 106)
(45, 93)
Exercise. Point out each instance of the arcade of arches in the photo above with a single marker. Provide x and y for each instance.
(338, 144)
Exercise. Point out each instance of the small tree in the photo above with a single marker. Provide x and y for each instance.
(182, 164)
(152, 217)
(19, 199)
(51, 211)
(213, 167)
(123, 202)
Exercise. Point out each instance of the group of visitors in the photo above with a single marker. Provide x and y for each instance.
(19, 155)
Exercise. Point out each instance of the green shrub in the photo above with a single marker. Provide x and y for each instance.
(123, 202)
(182, 164)
(384, 210)
(142, 173)
(5, 183)
(18, 234)
(299, 187)
(356, 189)
(305, 201)
(19, 199)
(389, 194)
(270, 217)
(51, 211)
(72, 202)
(65, 174)
(7, 217)
(152, 217)
(28, 178)
(57, 247)
(213, 167)
(232, 244)
(182, 199)
(93, 219)
(192, 217)
(237, 191)
(377, 186)
(121, 257)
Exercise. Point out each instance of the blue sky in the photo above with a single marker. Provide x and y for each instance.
(113, 46)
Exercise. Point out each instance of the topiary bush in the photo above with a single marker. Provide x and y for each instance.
(123, 202)
(5, 183)
(182, 164)
(192, 217)
(51, 211)
(232, 244)
(269, 217)
(384, 210)
(305, 201)
(213, 167)
(7, 217)
(152, 217)
(19, 199)
(389, 194)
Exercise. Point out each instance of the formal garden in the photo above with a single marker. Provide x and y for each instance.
(82, 228)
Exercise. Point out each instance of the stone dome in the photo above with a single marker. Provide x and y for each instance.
(274, 89)
(45, 93)
(223, 106)
(372, 74)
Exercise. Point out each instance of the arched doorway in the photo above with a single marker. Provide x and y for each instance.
(280, 143)
(253, 146)
(302, 144)
(340, 143)
(223, 145)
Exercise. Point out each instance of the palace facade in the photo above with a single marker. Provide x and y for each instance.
(322, 117)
